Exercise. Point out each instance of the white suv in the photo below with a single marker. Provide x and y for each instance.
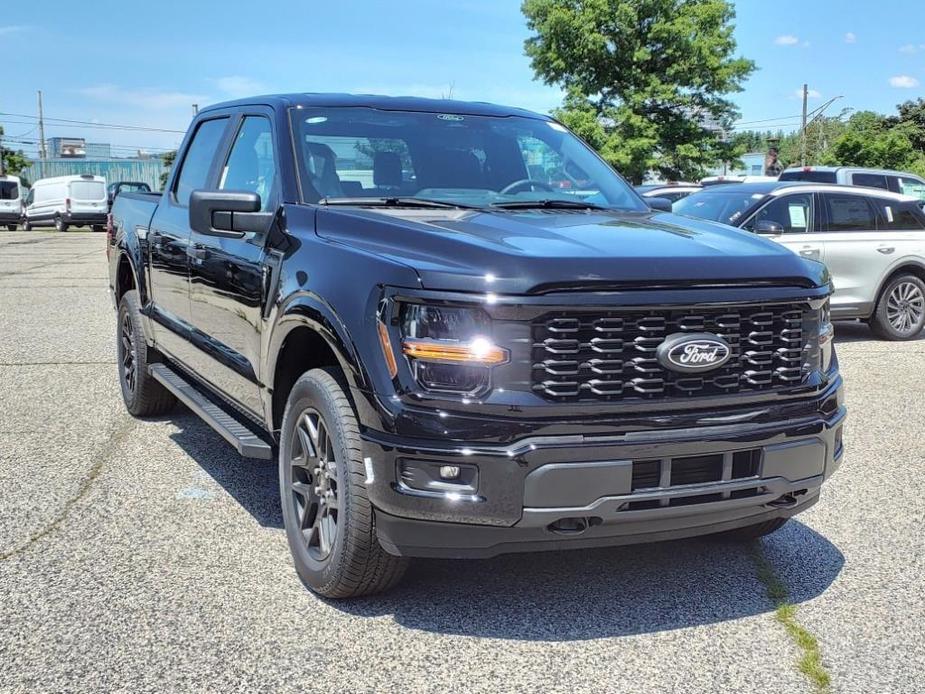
(873, 242)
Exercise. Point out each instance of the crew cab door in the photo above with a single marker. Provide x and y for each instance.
(169, 236)
(228, 275)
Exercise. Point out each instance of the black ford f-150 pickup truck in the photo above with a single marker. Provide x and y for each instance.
(462, 334)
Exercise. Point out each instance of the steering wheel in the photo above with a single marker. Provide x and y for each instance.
(525, 184)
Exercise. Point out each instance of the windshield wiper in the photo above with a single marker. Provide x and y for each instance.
(550, 203)
(395, 201)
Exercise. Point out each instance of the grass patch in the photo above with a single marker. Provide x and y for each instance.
(785, 612)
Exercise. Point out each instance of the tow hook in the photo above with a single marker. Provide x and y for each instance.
(785, 501)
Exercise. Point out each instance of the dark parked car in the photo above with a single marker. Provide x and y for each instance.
(873, 242)
(113, 189)
(450, 358)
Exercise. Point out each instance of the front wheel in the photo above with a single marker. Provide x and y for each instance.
(60, 224)
(326, 510)
(900, 313)
(26, 225)
(11, 227)
(98, 228)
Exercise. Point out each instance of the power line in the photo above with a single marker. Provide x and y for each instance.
(91, 124)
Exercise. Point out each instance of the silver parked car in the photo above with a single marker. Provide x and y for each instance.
(895, 181)
(669, 191)
(873, 242)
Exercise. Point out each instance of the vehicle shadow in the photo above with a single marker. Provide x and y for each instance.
(554, 596)
(590, 594)
(858, 331)
(253, 483)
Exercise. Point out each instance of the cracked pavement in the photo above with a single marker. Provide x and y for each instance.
(145, 556)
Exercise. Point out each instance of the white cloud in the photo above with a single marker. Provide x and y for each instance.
(850, 37)
(145, 97)
(786, 40)
(904, 82)
(810, 93)
(237, 86)
(912, 48)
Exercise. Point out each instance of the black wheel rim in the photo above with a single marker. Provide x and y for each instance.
(313, 484)
(127, 354)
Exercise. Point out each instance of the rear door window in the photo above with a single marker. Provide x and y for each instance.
(869, 180)
(194, 170)
(87, 190)
(9, 190)
(845, 212)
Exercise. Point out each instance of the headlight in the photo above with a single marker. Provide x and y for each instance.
(449, 348)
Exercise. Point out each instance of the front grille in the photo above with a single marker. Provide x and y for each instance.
(657, 475)
(588, 355)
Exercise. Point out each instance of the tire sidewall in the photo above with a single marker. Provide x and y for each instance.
(59, 224)
(129, 305)
(310, 391)
(884, 327)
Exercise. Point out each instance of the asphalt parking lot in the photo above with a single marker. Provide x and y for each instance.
(145, 556)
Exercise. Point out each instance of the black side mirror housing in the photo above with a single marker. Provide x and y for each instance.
(768, 226)
(227, 213)
(660, 204)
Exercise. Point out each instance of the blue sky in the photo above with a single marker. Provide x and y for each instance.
(144, 65)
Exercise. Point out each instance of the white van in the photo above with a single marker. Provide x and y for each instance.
(10, 201)
(67, 201)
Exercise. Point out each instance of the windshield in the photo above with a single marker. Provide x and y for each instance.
(724, 206)
(9, 190)
(474, 161)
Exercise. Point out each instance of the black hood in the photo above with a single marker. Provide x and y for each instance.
(526, 250)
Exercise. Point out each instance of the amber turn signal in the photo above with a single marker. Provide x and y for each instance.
(478, 352)
(387, 352)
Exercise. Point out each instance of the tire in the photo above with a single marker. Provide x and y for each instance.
(26, 225)
(60, 224)
(11, 227)
(328, 516)
(753, 532)
(99, 228)
(143, 396)
(900, 312)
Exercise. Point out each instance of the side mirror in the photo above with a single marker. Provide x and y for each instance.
(660, 204)
(768, 226)
(227, 213)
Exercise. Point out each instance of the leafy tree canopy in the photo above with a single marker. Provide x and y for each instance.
(646, 80)
(13, 162)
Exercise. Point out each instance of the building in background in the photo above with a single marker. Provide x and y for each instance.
(143, 170)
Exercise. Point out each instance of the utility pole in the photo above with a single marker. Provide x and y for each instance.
(803, 129)
(195, 110)
(2, 170)
(43, 153)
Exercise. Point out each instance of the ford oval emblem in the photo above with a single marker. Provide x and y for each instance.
(693, 352)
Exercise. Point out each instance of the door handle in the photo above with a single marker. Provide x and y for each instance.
(809, 252)
(886, 250)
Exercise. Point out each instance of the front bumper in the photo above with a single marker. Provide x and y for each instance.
(574, 491)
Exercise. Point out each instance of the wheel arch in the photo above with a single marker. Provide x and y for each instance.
(903, 266)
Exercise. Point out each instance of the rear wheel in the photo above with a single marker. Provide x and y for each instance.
(143, 395)
(328, 517)
(11, 227)
(60, 224)
(26, 226)
(98, 228)
(753, 532)
(900, 313)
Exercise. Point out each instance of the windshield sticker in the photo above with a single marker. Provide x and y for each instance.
(449, 116)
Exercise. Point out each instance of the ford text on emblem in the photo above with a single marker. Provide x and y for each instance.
(693, 352)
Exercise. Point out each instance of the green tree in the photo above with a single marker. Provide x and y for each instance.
(13, 162)
(168, 158)
(646, 80)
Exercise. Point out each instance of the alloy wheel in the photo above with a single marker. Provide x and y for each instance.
(905, 307)
(128, 353)
(313, 484)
